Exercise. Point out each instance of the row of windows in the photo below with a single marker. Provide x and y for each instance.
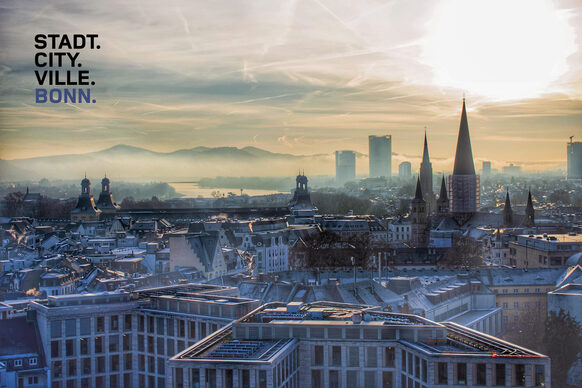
(70, 326)
(350, 357)
(498, 378)
(115, 380)
(31, 361)
(87, 345)
(353, 378)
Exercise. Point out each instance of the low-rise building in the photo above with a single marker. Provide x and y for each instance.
(326, 344)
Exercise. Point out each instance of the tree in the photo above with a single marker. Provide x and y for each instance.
(14, 202)
(562, 342)
(465, 253)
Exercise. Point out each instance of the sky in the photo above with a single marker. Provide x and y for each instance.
(304, 77)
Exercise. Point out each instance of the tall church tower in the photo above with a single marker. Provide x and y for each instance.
(463, 183)
(443, 201)
(419, 219)
(105, 203)
(507, 212)
(529, 220)
(85, 209)
(426, 178)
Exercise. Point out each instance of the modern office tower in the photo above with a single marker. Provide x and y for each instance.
(574, 159)
(405, 170)
(325, 344)
(124, 339)
(486, 168)
(463, 183)
(426, 178)
(380, 149)
(345, 166)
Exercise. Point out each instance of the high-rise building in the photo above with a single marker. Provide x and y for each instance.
(405, 170)
(325, 344)
(345, 166)
(486, 168)
(380, 148)
(574, 159)
(464, 183)
(426, 178)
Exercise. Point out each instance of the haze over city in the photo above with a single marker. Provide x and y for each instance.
(305, 77)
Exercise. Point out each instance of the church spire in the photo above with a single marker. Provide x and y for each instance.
(507, 212)
(464, 155)
(529, 212)
(418, 194)
(425, 156)
(443, 197)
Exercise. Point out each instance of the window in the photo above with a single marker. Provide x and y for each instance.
(500, 374)
(354, 356)
(71, 368)
(515, 305)
(336, 356)
(18, 362)
(98, 344)
(387, 380)
(192, 329)
(71, 327)
(100, 364)
(114, 323)
(442, 373)
(505, 305)
(33, 361)
(370, 379)
(160, 326)
(334, 379)
(480, 374)
(352, 377)
(114, 343)
(371, 357)
(416, 367)
(516, 291)
(86, 366)
(70, 347)
(461, 373)
(85, 326)
(318, 355)
(100, 324)
(126, 342)
(424, 370)
(55, 349)
(388, 357)
(182, 328)
(519, 375)
(127, 322)
(540, 376)
(316, 378)
(56, 329)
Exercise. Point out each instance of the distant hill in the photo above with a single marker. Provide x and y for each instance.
(138, 164)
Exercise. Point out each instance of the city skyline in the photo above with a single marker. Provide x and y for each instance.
(172, 78)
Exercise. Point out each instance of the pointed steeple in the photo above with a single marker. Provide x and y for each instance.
(507, 212)
(464, 155)
(418, 195)
(443, 197)
(425, 156)
(529, 212)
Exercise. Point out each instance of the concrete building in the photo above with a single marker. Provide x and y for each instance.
(544, 250)
(325, 344)
(405, 170)
(124, 339)
(574, 159)
(380, 150)
(345, 166)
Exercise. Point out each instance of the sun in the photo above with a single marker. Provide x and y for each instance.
(500, 49)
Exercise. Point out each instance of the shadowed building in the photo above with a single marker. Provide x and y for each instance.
(426, 178)
(405, 170)
(418, 214)
(529, 220)
(105, 202)
(300, 204)
(507, 212)
(463, 183)
(380, 148)
(443, 201)
(85, 209)
(345, 166)
(574, 159)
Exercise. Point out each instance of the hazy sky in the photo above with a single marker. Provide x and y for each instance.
(303, 77)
